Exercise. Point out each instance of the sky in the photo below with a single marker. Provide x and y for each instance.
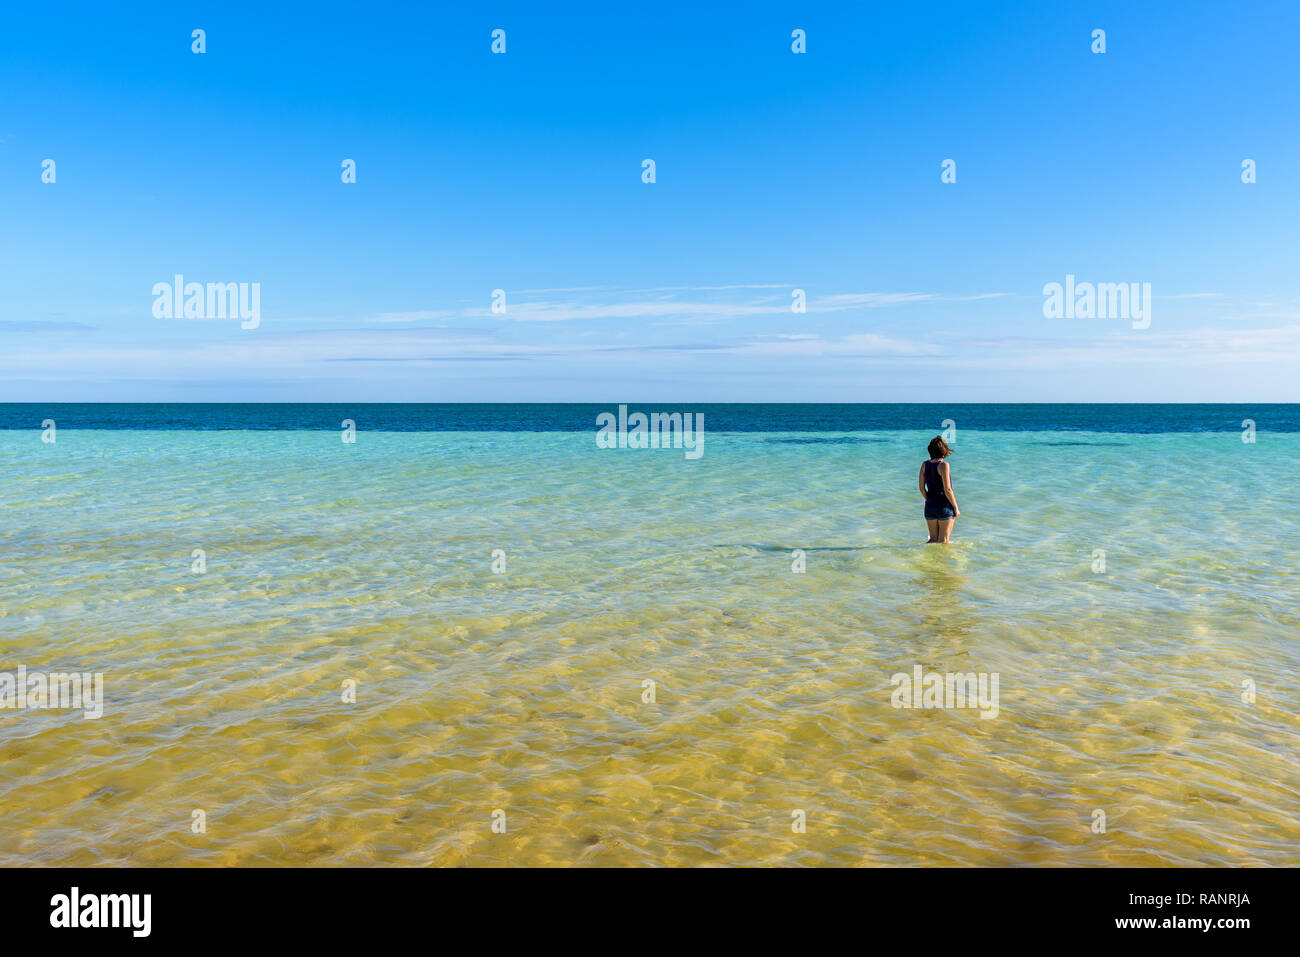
(774, 171)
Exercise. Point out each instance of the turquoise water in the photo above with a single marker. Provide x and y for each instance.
(522, 690)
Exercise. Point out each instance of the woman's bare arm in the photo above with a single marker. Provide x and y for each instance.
(920, 480)
(946, 473)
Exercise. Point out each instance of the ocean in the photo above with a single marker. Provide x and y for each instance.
(473, 637)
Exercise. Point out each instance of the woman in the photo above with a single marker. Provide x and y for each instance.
(936, 485)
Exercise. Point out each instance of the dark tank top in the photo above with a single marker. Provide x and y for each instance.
(934, 494)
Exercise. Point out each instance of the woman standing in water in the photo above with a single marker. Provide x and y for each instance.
(936, 485)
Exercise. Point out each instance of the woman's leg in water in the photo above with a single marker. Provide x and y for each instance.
(933, 525)
(943, 537)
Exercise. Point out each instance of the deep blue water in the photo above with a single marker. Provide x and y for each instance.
(740, 417)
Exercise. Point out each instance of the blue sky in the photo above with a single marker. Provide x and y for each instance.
(775, 171)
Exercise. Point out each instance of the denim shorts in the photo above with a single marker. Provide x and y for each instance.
(941, 512)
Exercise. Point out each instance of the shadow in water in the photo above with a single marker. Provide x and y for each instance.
(790, 548)
(1087, 444)
(827, 440)
(938, 578)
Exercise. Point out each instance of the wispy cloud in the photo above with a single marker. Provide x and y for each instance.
(419, 315)
(722, 303)
(42, 325)
(858, 345)
(662, 304)
(395, 361)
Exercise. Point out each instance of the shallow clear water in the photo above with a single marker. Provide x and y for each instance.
(522, 691)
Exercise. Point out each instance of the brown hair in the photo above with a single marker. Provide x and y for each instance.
(939, 448)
